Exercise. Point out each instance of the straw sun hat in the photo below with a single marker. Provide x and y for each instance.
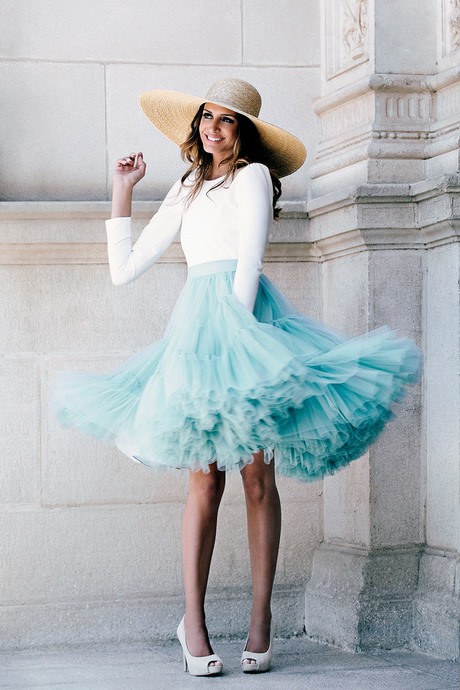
(172, 113)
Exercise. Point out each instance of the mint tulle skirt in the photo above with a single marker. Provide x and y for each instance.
(224, 383)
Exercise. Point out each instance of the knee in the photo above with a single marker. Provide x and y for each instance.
(207, 488)
(258, 487)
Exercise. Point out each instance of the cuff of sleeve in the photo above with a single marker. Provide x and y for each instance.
(118, 227)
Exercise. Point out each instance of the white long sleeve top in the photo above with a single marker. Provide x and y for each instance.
(231, 222)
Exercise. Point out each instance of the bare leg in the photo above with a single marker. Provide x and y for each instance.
(264, 528)
(198, 536)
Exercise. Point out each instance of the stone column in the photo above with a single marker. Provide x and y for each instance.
(437, 600)
(383, 191)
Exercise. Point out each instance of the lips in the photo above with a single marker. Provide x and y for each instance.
(213, 140)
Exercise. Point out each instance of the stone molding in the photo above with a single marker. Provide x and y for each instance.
(54, 622)
(41, 247)
(386, 216)
(368, 217)
(42, 253)
(388, 116)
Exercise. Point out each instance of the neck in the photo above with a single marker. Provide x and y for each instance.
(216, 169)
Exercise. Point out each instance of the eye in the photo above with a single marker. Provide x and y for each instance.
(207, 116)
(228, 119)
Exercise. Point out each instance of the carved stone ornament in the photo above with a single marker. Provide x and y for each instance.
(354, 27)
(454, 24)
(450, 26)
(346, 28)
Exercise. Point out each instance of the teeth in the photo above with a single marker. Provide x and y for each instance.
(213, 138)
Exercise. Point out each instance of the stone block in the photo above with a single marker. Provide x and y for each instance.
(290, 228)
(346, 505)
(345, 293)
(53, 128)
(442, 397)
(396, 294)
(396, 290)
(300, 282)
(333, 223)
(151, 32)
(442, 164)
(359, 599)
(338, 176)
(437, 605)
(230, 565)
(118, 620)
(433, 210)
(78, 470)
(398, 48)
(392, 170)
(300, 536)
(19, 435)
(55, 226)
(346, 495)
(396, 493)
(228, 610)
(129, 130)
(280, 34)
(144, 619)
(399, 216)
(76, 308)
(69, 555)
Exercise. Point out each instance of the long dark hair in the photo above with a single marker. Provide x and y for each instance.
(247, 149)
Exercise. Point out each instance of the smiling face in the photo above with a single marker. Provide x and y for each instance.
(218, 131)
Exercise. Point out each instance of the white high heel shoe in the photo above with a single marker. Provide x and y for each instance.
(198, 665)
(258, 662)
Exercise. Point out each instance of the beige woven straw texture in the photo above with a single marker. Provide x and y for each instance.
(172, 113)
(240, 96)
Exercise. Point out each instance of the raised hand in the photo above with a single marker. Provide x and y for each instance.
(130, 169)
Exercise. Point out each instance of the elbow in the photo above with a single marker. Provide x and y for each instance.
(119, 279)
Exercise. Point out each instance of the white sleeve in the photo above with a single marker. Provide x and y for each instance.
(128, 262)
(254, 194)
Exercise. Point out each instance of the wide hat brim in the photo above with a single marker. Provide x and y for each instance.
(172, 113)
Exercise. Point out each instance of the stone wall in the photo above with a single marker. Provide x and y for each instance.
(385, 219)
(91, 541)
(369, 236)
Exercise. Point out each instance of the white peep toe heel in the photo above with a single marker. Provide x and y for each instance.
(258, 662)
(198, 665)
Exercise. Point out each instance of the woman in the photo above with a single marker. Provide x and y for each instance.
(238, 373)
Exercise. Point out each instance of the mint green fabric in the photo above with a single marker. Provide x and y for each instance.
(224, 382)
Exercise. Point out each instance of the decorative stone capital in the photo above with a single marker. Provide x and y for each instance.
(387, 216)
(382, 116)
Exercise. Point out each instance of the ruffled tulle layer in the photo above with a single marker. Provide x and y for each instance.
(224, 383)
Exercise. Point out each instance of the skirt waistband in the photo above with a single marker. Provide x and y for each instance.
(209, 267)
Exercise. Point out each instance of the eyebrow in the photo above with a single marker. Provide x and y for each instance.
(206, 110)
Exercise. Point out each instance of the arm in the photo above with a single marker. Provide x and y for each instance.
(128, 172)
(254, 190)
(126, 261)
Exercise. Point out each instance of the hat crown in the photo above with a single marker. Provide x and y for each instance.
(236, 94)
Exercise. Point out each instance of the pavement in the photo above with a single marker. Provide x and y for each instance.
(298, 664)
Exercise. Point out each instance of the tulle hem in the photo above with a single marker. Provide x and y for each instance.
(225, 383)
